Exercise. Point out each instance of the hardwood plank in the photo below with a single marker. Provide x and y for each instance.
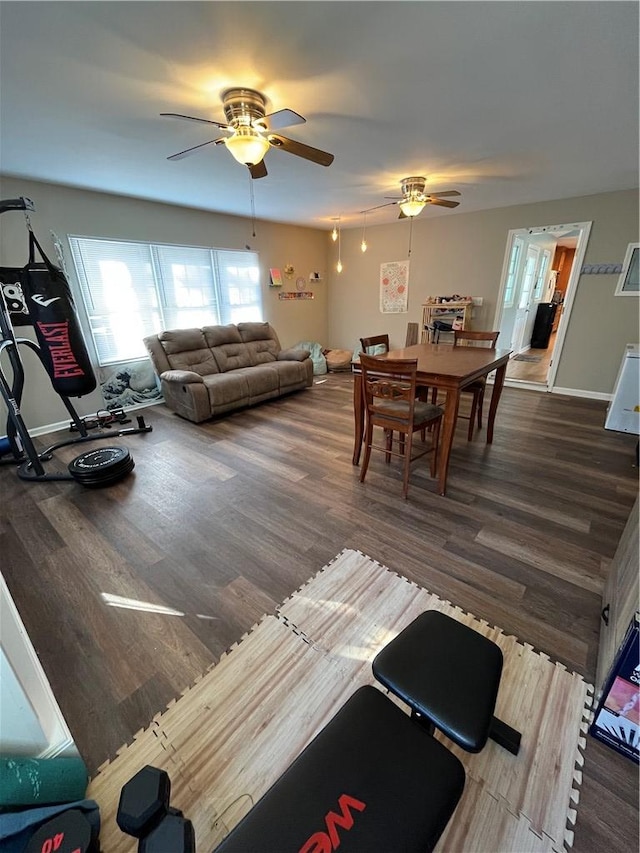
(223, 520)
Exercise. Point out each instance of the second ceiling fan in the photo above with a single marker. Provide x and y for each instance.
(414, 198)
(251, 132)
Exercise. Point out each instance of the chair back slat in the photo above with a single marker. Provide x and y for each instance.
(468, 337)
(389, 381)
(375, 344)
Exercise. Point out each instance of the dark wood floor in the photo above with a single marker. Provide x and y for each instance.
(223, 520)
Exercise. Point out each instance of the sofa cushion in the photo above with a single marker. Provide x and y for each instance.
(227, 389)
(261, 340)
(215, 336)
(231, 357)
(187, 349)
(257, 332)
(261, 381)
(293, 372)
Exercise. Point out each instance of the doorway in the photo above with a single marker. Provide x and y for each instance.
(540, 273)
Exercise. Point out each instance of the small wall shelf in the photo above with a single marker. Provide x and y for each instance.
(445, 311)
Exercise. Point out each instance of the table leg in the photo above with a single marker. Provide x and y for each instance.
(446, 437)
(498, 384)
(358, 415)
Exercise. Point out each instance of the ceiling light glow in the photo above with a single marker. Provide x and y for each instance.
(247, 146)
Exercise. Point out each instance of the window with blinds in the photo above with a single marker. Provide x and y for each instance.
(131, 290)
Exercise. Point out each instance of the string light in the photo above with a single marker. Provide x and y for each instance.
(363, 245)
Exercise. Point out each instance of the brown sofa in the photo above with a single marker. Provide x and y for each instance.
(217, 369)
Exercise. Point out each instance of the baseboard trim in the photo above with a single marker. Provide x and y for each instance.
(577, 392)
(544, 389)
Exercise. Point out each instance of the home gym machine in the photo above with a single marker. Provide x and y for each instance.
(38, 295)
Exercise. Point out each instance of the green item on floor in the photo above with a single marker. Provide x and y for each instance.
(41, 781)
(315, 354)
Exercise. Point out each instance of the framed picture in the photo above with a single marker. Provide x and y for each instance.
(275, 277)
(628, 283)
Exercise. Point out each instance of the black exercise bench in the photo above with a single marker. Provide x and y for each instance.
(449, 676)
(371, 781)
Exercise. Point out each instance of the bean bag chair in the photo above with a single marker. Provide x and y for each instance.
(318, 359)
(339, 360)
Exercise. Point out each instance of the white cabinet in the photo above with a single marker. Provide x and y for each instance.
(623, 414)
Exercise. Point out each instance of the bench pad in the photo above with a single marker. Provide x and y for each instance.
(371, 780)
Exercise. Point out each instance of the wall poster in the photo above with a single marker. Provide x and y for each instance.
(394, 287)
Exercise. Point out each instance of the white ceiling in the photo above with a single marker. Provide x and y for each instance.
(507, 102)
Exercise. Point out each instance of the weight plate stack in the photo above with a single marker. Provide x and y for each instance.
(101, 467)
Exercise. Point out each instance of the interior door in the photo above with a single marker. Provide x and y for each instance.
(524, 300)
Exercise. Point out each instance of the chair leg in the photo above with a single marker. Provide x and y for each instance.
(423, 395)
(472, 416)
(407, 465)
(435, 443)
(367, 451)
(480, 402)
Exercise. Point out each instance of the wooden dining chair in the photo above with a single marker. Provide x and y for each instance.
(462, 337)
(412, 335)
(374, 344)
(389, 394)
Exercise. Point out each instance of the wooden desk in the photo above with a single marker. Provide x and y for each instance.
(449, 369)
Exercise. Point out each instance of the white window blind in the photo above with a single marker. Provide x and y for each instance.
(131, 290)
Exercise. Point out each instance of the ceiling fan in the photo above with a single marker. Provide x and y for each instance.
(414, 198)
(251, 133)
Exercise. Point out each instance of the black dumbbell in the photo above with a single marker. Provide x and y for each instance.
(174, 833)
(66, 832)
(144, 812)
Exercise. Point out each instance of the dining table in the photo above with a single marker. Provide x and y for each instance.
(449, 369)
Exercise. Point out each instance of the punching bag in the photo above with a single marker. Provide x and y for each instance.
(52, 311)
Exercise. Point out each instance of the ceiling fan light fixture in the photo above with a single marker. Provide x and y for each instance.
(247, 146)
(411, 206)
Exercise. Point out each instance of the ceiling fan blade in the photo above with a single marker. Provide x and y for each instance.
(322, 158)
(189, 151)
(443, 202)
(193, 118)
(281, 118)
(441, 195)
(398, 197)
(259, 170)
(378, 206)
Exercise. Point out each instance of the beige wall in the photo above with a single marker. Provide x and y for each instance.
(69, 211)
(464, 253)
(452, 253)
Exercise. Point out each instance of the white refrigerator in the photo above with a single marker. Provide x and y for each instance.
(623, 414)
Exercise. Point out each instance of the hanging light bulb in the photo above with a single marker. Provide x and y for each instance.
(363, 245)
(339, 264)
(334, 233)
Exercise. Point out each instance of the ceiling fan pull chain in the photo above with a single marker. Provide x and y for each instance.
(253, 207)
(410, 234)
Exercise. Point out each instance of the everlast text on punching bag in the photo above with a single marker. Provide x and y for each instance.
(52, 311)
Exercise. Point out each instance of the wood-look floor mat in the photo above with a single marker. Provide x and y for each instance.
(232, 734)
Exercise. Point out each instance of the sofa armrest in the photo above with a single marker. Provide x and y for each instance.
(293, 355)
(182, 376)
